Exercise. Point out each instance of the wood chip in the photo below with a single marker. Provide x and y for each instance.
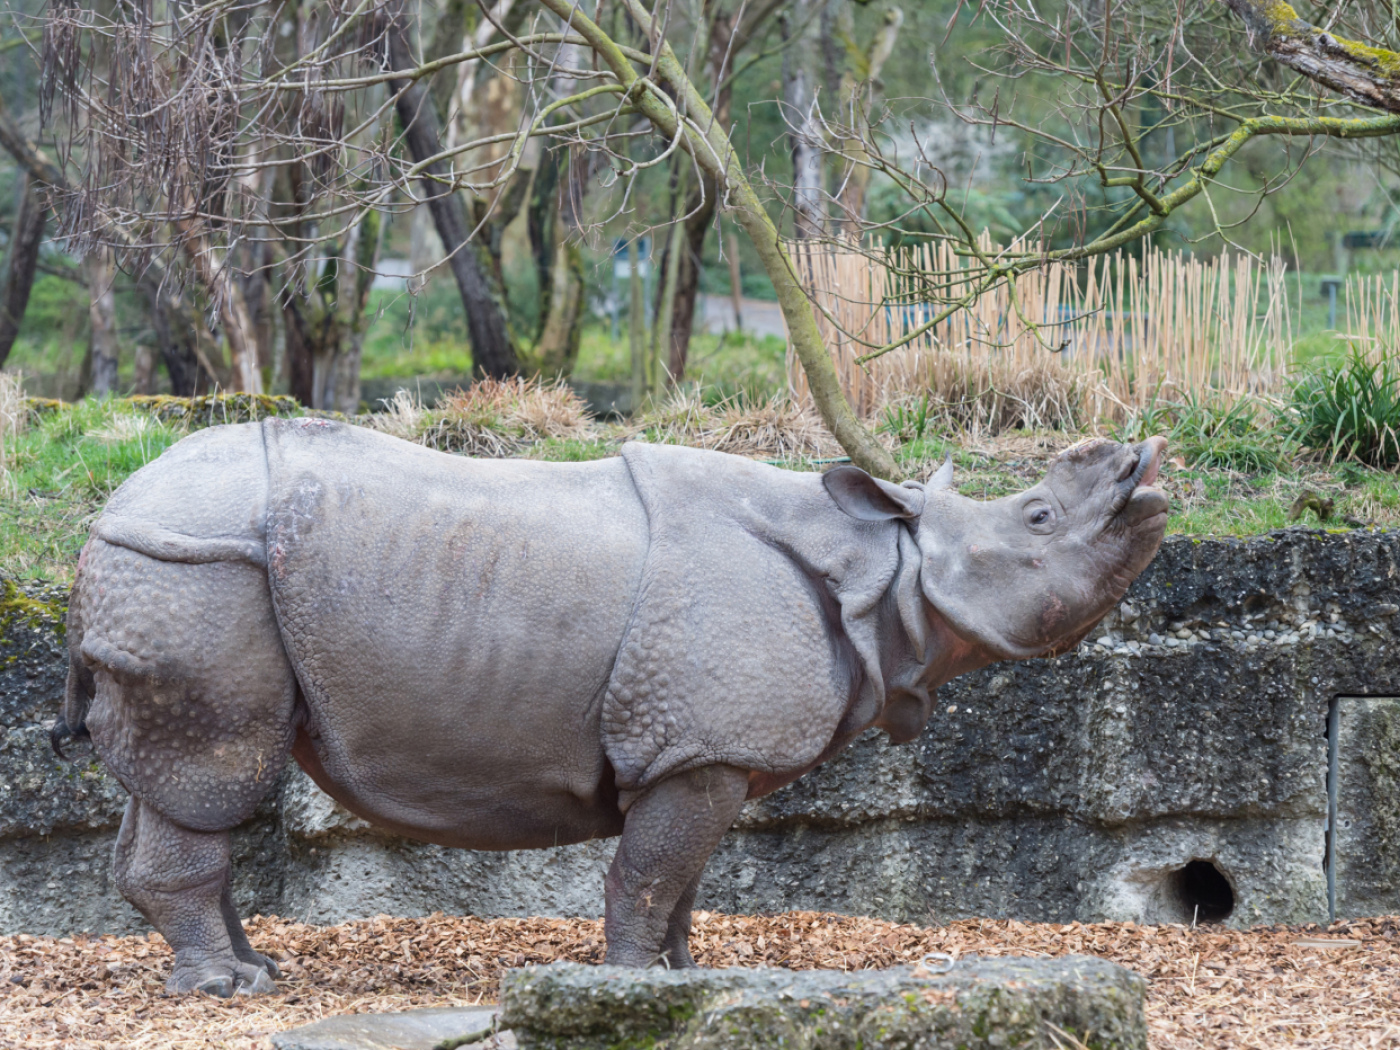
(1259, 989)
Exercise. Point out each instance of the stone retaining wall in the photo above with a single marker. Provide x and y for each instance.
(1174, 766)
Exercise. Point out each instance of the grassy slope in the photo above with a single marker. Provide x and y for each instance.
(62, 468)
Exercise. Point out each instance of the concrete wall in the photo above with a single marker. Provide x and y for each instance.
(1174, 766)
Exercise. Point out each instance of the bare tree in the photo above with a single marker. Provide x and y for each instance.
(23, 260)
(165, 162)
(1133, 114)
(101, 276)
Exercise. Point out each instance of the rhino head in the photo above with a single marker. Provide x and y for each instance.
(1030, 574)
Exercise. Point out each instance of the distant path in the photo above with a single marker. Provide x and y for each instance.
(761, 316)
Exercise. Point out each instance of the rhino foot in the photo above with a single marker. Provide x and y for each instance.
(223, 980)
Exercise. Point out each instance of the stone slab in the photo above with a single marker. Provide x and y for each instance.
(1001, 1003)
(1367, 842)
(431, 1029)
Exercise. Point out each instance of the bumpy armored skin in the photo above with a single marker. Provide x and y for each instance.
(506, 655)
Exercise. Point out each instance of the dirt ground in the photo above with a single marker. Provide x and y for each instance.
(1266, 988)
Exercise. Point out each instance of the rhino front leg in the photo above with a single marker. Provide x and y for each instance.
(178, 879)
(676, 947)
(668, 835)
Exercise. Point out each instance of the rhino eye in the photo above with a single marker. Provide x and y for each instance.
(1039, 516)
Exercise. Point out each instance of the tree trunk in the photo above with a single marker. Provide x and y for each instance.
(857, 96)
(143, 380)
(802, 24)
(636, 327)
(541, 219)
(325, 326)
(677, 255)
(557, 349)
(342, 390)
(237, 323)
(736, 282)
(301, 367)
(23, 262)
(483, 298)
(177, 337)
(102, 317)
(692, 254)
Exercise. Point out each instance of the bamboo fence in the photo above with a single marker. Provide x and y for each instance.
(1066, 345)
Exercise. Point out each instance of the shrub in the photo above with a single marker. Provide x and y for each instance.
(1351, 410)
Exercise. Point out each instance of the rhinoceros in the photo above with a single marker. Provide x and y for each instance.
(512, 654)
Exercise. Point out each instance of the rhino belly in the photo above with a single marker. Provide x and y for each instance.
(453, 625)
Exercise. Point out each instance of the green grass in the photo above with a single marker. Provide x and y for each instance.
(725, 366)
(59, 472)
(572, 450)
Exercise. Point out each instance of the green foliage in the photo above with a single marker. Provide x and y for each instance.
(907, 420)
(422, 335)
(1351, 410)
(573, 450)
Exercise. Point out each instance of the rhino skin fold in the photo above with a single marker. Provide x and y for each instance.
(504, 654)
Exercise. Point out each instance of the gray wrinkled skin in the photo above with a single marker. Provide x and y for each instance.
(508, 655)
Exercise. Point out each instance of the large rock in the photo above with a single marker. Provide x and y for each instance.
(434, 1028)
(1143, 776)
(1002, 1003)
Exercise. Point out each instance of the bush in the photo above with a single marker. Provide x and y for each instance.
(1351, 410)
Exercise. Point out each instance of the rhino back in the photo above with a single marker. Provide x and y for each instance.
(453, 624)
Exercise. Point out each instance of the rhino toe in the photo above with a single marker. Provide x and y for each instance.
(220, 987)
(262, 962)
(222, 980)
(260, 984)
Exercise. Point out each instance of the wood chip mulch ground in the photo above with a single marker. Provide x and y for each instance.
(1337, 987)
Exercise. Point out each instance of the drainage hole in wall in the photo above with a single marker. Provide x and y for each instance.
(1199, 891)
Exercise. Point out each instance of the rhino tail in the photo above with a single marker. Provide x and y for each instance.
(81, 686)
(156, 541)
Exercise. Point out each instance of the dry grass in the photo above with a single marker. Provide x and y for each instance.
(124, 426)
(1063, 347)
(777, 428)
(13, 415)
(1211, 988)
(494, 417)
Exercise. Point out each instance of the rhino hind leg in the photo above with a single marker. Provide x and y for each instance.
(178, 879)
(193, 709)
(669, 833)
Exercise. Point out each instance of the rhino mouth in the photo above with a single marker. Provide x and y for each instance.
(1147, 505)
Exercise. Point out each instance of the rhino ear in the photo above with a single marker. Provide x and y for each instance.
(870, 499)
(943, 479)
